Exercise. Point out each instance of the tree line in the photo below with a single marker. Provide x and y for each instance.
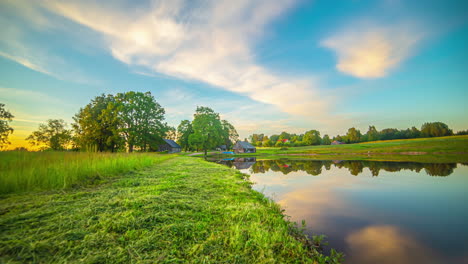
(131, 121)
(353, 135)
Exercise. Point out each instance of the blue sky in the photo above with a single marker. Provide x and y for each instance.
(266, 67)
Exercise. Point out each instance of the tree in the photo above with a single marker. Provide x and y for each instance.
(5, 129)
(312, 137)
(274, 138)
(230, 135)
(184, 130)
(207, 129)
(141, 120)
(284, 135)
(97, 125)
(353, 135)
(54, 135)
(435, 129)
(326, 140)
(372, 134)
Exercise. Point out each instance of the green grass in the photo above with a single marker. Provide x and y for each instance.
(177, 211)
(22, 171)
(441, 149)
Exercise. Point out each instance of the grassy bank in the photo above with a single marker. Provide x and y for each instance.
(180, 210)
(442, 149)
(22, 171)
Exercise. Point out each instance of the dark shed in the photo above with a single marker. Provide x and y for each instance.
(170, 146)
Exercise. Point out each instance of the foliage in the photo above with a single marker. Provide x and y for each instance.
(312, 137)
(5, 129)
(353, 135)
(181, 210)
(207, 129)
(326, 140)
(97, 125)
(141, 120)
(230, 135)
(54, 135)
(435, 129)
(184, 130)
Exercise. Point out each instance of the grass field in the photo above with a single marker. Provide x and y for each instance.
(177, 210)
(442, 149)
(22, 171)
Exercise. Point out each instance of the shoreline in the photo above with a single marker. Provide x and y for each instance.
(182, 208)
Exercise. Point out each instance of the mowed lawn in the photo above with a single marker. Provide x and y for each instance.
(178, 210)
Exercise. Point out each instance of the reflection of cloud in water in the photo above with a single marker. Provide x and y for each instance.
(387, 244)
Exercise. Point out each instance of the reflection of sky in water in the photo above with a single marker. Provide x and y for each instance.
(397, 217)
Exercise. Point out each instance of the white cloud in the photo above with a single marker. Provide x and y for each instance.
(208, 41)
(368, 50)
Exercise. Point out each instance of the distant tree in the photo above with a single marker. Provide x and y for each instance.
(142, 120)
(389, 134)
(230, 135)
(462, 132)
(54, 135)
(326, 140)
(415, 133)
(372, 134)
(353, 135)
(279, 144)
(184, 130)
(5, 130)
(96, 126)
(284, 135)
(207, 129)
(266, 143)
(274, 138)
(312, 137)
(435, 129)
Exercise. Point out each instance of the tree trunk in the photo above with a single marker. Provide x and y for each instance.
(130, 148)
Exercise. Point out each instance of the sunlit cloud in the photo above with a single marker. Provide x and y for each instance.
(369, 50)
(211, 42)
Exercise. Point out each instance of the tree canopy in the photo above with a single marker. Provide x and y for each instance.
(5, 130)
(53, 135)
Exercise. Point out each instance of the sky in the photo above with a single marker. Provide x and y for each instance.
(265, 66)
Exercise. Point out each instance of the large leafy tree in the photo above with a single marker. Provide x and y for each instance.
(312, 137)
(184, 130)
(207, 129)
(97, 125)
(436, 129)
(142, 120)
(5, 129)
(326, 140)
(53, 135)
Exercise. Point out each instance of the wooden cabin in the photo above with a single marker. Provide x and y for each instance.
(170, 146)
(336, 142)
(244, 147)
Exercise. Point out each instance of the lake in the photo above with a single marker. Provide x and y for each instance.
(374, 212)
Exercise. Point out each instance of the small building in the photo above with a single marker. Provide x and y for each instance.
(244, 147)
(221, 148)
(336, 142)
(170, 146)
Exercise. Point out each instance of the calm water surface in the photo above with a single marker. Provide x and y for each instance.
(374, 212)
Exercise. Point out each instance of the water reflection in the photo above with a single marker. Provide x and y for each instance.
(401, 216)
(315, 167)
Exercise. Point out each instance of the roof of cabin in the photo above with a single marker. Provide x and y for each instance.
(171, 143)
(245, 145)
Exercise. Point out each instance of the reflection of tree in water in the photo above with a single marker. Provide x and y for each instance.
(314, 167)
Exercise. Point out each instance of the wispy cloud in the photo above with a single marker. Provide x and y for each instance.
(369, 50)
(208, 41)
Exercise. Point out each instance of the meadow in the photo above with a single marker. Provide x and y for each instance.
(22, 171)
(438, 149)
(177, 210)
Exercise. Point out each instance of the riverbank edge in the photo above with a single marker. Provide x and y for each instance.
(241, 222)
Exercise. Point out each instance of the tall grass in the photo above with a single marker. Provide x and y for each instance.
(26, 171)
